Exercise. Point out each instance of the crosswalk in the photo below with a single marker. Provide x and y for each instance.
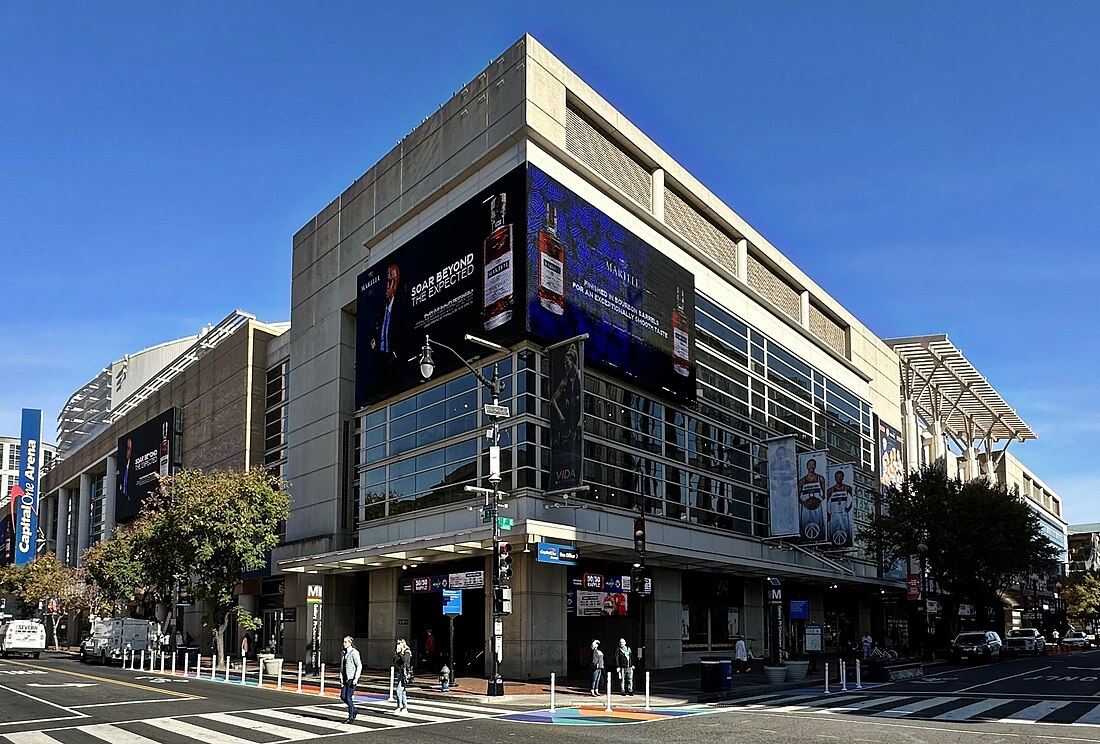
(927, 707)
(262, 726)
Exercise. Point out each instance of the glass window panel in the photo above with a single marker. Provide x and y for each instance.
(377, 417)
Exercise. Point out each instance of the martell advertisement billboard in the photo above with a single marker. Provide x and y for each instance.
(461, 275)
(24, 495)
(583, 273)
(589, 274)
(144, 455)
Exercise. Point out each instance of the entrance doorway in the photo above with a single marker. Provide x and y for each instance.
(271, 635)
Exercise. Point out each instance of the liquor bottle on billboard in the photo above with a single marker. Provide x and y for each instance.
(681, 348)
(551, 264)
(500, 296)
(163, 462)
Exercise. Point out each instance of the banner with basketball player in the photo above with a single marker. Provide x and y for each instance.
(783, 505)
(839, 500)
(812, 469)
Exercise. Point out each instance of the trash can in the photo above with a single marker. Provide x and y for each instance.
(715, 674)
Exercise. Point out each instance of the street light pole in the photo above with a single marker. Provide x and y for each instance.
(495, 413)
(922, 551)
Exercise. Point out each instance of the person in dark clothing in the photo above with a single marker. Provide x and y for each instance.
(402, 671)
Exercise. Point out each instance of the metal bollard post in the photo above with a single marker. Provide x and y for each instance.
(173, 665)
(322, 690)
(859, 683)
(227, 667)
(142, 660)
(843, 675)
(299, 676)
(279, 684)
(647, 692)
(826, 678)
(152, 659)
(213, 666)
(244, 668)
(390, 698)
(260, 671)
(162, 663)
(185, 658)
(608, 692)
(553, 679)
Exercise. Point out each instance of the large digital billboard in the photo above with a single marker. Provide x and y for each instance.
(144, 455)
(589, 274)
(468, 274)
(24, 496)
(464, 274)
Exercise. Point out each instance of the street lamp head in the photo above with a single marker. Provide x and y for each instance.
(427, 365)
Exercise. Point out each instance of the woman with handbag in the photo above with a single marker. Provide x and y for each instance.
(402, 672)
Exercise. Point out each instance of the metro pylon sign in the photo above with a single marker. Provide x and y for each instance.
(24, 496)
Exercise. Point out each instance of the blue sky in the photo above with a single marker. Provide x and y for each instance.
(934, 166)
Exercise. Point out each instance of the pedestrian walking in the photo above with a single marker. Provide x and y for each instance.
(867, 643)
(429, 650)
(597, 668)
(624, 662)
(740, 655)
(351, 666)
(402, 672)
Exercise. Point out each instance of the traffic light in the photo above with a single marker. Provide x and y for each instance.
(637, 580)
(502, 600)
(639, 534)
(504, 561)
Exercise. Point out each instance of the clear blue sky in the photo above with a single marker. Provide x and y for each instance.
(934, 166)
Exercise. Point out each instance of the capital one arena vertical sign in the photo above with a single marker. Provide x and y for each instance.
(24, 495)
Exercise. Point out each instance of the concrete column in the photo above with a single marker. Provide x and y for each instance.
(389, 617)
(910, 429)
(657, 197)
(804, 308)
(84, 509)
(937, 445)
(754, 620)
(110, 485)
(62, 541)
(743, 261)
(664, 613)
(535, 634)
(48, 508)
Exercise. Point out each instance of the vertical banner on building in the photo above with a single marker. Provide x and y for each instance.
(812, 467)
(314, 593)
(567, 415)
(782, 487)
(891, 475)
(24, 495)
(839, 500)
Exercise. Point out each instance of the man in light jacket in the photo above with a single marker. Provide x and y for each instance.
(351, 666)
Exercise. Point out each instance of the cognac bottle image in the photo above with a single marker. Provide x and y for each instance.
(164, 460)
(499, 299)
(681, 348)
(551, 264)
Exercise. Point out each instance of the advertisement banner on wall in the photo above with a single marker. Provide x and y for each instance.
(24, 495)
(839, 500)
(464, 274)
(891, 451)
(601, 604)
(589, 274)
(783, 487)
(144, 455)
(812, 467)
(566, 416)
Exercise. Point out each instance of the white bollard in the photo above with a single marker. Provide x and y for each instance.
(213, 666)
(843, 675)
(390, 698)
(608, 691)
(152, 659)
(227, 667)
(322, 690)
(279, 678)
(244, 668)
(162, 663)
(299, 676)
(826, 678)
(553, 678)
(123, 658)
(174, 665)
(142, 660)
(260, 671)
(859, 682)
(185, 657)
(647, 691)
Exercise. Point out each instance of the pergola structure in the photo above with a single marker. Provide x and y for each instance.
(946, 398)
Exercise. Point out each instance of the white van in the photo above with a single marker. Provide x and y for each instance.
(22, 637)
(111, 636)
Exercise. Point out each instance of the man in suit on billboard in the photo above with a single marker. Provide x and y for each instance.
(383, 338)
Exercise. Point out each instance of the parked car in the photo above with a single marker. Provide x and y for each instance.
(22, 637)
(976, 645)
(1075, 639)
(1025, 641)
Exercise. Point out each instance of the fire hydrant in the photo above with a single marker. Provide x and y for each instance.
(444, 679)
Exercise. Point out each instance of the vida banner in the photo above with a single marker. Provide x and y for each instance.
(567, 416)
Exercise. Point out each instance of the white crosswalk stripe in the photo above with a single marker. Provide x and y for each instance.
(947, 708)
(274, 725)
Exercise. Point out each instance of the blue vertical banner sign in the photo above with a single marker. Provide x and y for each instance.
(24, 496)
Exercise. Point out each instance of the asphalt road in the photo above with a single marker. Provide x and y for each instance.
(1046, 699)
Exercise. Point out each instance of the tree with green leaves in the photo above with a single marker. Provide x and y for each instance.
(1081, 590)
(57, 588)
(976, 536)
(118, 568)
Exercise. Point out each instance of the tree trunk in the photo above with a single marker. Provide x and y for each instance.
(219, 638)
(56, 621)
